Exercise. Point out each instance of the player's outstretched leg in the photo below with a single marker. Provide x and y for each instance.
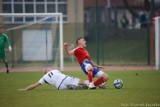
(101, 80)
(6, 64)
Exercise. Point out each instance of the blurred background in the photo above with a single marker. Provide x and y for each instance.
(118, 32)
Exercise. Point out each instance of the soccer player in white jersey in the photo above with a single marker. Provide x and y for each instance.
(57, 79)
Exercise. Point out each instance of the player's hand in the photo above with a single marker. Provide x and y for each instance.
(10, 49)
(101, 67)
(65, 45)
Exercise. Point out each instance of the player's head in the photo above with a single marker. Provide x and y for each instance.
(45, 70)
(81, 42)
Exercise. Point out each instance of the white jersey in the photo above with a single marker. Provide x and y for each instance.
(59, 80)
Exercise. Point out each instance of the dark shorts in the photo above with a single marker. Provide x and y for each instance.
(2, 53)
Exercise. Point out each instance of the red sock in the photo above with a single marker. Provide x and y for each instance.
(99, 81)
(90, 75)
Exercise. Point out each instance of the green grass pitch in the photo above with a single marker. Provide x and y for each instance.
(141, 89)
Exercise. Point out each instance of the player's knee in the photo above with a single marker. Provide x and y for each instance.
(89, 68)
(105, 77)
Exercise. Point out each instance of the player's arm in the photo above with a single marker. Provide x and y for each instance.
(8, 42)
(98, 66)
(69, 52)
(31, 87)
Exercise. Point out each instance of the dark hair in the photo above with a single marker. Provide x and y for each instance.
(78, 40)
(1, 27)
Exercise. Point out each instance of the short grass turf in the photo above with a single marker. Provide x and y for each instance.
(141, 89)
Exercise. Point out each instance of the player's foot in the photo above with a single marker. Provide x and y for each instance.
(7, 71)
(102, 86)
(91, 86)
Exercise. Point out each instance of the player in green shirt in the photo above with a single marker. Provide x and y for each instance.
(3, 41)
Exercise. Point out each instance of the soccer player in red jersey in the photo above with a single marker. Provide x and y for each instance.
(87, 65)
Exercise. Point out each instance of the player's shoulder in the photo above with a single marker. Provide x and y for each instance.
(75, 49)
(79, 48)
(54, 71)
(4, 35)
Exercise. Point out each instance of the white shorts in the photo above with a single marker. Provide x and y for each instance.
(68, 83)
(99, 74)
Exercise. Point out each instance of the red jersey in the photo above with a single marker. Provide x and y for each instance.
(81, 54)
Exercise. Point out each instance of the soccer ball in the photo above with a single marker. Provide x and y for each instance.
(118, 83)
